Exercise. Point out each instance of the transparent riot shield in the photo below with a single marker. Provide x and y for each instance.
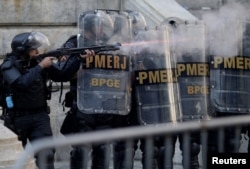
(188, 43)
(155, 78)
(138, 21)
(104, 81)
(230, 71)
(246, 39)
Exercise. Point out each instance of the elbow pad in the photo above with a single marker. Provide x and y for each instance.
(10, 72)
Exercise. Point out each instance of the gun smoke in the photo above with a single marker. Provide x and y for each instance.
(226, 30)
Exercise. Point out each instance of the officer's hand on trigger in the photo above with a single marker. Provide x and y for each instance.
(87, 53)
(46, 62)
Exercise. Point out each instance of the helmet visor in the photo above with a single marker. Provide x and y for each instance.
(38, 40)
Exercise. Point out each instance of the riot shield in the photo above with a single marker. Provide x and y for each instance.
(230, 73)
(246, 39)
(155, 78)
(104, 80)
(188, 43)
(138, 21)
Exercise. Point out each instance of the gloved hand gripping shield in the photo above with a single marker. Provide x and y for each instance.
(104, 80)
(155, 78)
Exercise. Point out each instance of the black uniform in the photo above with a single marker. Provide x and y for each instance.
(30, 112)
(26, 85)
(231, 139)
(88, 123)
(159, 147)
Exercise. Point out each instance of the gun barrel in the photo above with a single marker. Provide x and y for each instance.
(67, 51)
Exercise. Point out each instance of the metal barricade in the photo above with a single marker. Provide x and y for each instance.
(146, 132)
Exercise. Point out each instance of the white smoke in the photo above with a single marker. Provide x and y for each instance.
(225, 29)
(189, 41)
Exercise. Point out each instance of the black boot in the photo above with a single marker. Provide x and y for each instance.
(77, 159)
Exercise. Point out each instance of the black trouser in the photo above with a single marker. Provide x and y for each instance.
(159, 152)
(164, 149)
(246, 130)
(152, 157)
(230, 142)
(160, 155)
(190, 160)
(100, 153)
(123, 151)
(124, 154)
(80, 156)
(33, 127)
(248, 139)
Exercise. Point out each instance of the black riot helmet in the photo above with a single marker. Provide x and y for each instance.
(23, 42)
(91, 21)
(95, 25)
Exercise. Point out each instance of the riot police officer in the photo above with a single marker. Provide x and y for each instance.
(72, 121)
(156, 99)
(95, 110)
(229, 93)
(124, 153)
(26, 74)
(78, 156)
(69, 124)
(195, 106)
(26, 78)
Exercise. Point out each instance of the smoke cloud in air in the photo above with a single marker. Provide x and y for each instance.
(225, 29)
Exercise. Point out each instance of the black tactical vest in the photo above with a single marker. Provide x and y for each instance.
(32, 97)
